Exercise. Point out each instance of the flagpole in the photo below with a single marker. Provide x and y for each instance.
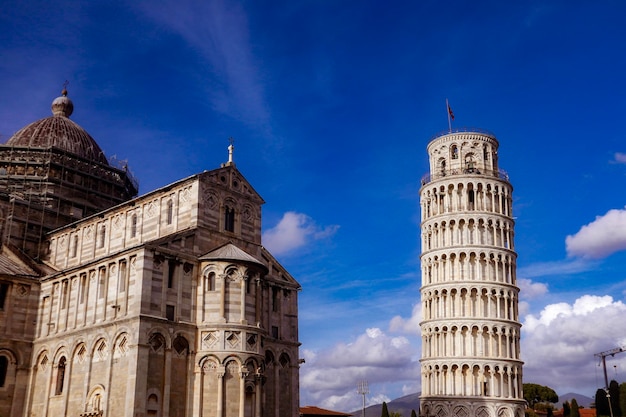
(448, 112)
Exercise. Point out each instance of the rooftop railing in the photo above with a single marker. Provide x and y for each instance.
(500, 173)
(464, 130)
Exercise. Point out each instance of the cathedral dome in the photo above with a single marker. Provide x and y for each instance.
(60, 132)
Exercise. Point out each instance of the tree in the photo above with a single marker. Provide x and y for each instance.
(414, 414)
(622, 397)
(614, 391)
(385, 412)
(395, 414)
(567, 409)
(575, 412)
(535, 393)
(602, 403)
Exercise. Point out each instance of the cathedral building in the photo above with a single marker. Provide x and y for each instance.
(166, 304)
(470, 364)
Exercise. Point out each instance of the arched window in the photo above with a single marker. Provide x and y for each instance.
(170, 212)
(455, 152)
(4, 290)
(157, 342)
(181, 345)
(171, 272)
(103, 234)
(60, 376)
(133, 225)
(469, 164)
(210, 282)
(4, 367)
(75, 246)
(122, 278)
(64, 293)
(101, 283)
(153, 405)
(229, 219)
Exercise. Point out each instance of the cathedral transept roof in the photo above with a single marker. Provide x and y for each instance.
(230, 252)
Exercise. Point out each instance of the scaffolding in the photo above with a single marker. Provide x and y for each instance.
(46, 188)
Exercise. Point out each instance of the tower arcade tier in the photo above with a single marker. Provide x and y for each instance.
(470, 362)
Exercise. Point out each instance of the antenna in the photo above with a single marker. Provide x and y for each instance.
(362, 389)
(602, 356)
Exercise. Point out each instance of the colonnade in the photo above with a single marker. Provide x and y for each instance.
(209, 290)
(463, 266)
(466, 195)
(88, 297)
(489, 379)
(471, 341)
(217, 384)
(473, 230)
(485, 302)
(219, 372)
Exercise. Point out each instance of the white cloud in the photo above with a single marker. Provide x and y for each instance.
(523, 307)
(568, 266)
(600, 238)
(559, 344)
(620, 157)
(410, 325)
(379, 399)
(411, 388)
(583, 306)
(530, 289)
(329, 379)
(294, 231)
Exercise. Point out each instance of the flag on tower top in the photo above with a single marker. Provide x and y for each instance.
(450, 116)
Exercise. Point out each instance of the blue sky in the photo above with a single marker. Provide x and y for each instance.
(332, 104)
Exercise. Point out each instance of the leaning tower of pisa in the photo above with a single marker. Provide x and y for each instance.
(470, 364)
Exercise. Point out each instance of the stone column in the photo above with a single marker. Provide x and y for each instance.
(198, 389)
(167, 372)
(224, 279)
(220, 371)
(67, 386)
(191, 382)
(276, 390)
(130, 387)
(257, 395)
(243, 374)
(244, 280)
(109, 372)
(509, 383)
(257, 300)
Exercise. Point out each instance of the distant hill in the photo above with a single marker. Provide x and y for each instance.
(405, 404)
(580, 399)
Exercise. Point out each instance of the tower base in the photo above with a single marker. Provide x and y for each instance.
(453, 406)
